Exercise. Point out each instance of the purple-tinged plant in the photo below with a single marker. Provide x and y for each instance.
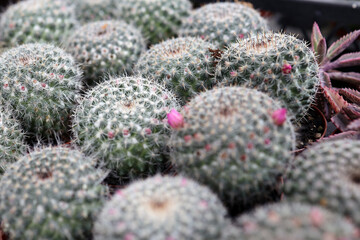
(341, 105)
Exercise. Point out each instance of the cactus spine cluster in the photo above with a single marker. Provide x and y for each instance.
(327, 174)
(95, 10)
(157, 19)
(121, 122)
(12, 143)
(276, 63)
(237, 141)
(41, 83)
(162, 208)
(106, 47)
(184, 65)
(46, 21)
(223, 23)
(293, 221)
(52, 193)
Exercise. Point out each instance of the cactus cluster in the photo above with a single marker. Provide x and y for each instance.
(223, 23)
(12, 143)
(52, 193)
(121, 122)
(106, 47)
(95, 10)
(41, 83)
(46, 21)
(293, 221)
(237, 141)
(157, 19)
(184, 65)
(327, 174)
(162, 208)
(276, 63)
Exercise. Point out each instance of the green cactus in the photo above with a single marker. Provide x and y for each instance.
(328, 174)
(276, 63)
(106, 47)
(157, 19)
(120, 122)
(184, 65)
(223, 23)
(95, 10)
(46, 21)
(293, 221)
(237, 141)
(12, 143)
(52, 193)
(163, 208)
(41, 83)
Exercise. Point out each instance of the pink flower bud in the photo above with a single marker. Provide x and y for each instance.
(316, 217)
(286, 69)
(233, 74)
(279, 116)
(175, 119)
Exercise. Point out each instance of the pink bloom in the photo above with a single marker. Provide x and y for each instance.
(279, 116)
(316, 217)
(233, 74)
(286, 69)
(175, 119)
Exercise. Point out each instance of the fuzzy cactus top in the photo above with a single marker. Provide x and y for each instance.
(95, 10)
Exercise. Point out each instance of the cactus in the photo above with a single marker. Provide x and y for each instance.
(46, 21)
(157, 19)
(162, 208)
(293, 221)
(12, 143)
(95, 10)
(41, 83)
(184, 65)
(328, 174)
(276, 63)
(106, 47)
(120, 122)
(52, 193)
(223, 23)
(237, 141)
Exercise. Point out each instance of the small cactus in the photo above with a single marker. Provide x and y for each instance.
(121, 122)
(51, 193)
(162, 208)
(95, 10)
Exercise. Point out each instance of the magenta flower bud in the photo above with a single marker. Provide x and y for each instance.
(286, 69)
(175, 119)
(279, 116)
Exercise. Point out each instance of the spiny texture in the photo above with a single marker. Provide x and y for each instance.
(162, 208)
(12, 143)
(37, 21)
(95, 10)
(41, 83)
(184, 65)
(276, 63)
(223, 23)
(157, 19)
(328, 174)
(120, 121)
(52, 193)
(231, 143)
(283, 221)
(106, 47)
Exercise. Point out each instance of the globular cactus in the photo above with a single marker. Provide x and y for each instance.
(120, 121)
(95, 10)
(157, 19)
(223, 23)
(41, 83)
(184, 65)
(237, 141)
(52, 193)
(293, 221)
(106, 47)
(12, 138)
(162, 208)
(46, 21)
(276, 63)
(327, 174)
